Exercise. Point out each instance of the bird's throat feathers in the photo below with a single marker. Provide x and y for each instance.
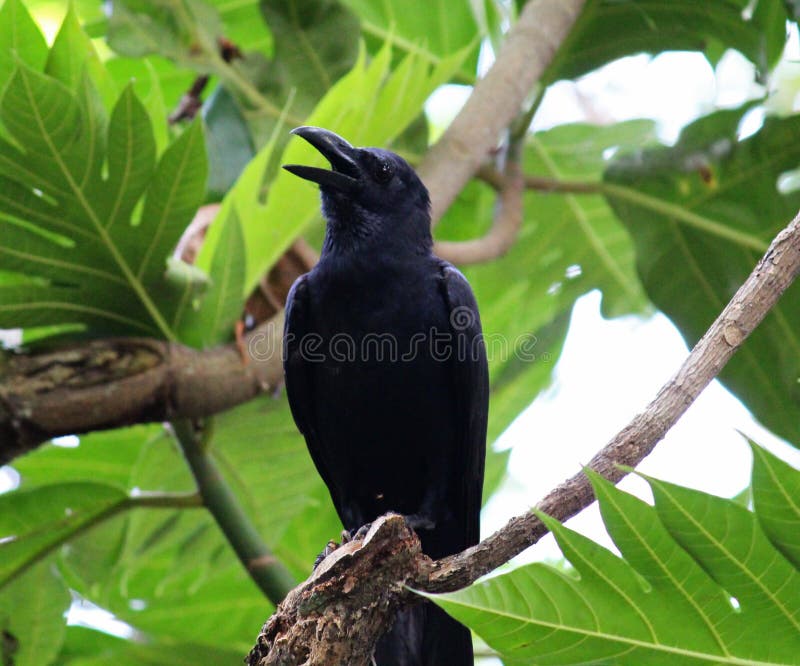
(354, 229)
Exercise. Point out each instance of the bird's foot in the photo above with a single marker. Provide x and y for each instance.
(416, 521)
(329, 548)
(356, 535)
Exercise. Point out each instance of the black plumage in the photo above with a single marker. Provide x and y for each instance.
(386, 373)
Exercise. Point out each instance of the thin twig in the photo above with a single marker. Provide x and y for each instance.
(191, 101)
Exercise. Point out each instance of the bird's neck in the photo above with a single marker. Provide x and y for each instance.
(377, 240)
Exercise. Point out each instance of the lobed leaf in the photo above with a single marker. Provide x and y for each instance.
(776, 497)
(668, 601)
(757, 30)
(63, 221)
(32, 612)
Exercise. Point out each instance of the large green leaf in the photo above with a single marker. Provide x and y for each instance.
(33, 522)
(776, 497)
(170, 572)
(316, 43)
(32, 612)
(228, 140)
(66, 222)
(21, 39)
(669, 601)
(701, 214)
(183, 30)
(104, 457)
(265, 460)
(86, 647)
(431, 30)
(756, 29)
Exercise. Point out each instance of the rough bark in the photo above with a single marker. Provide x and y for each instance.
(339, 613)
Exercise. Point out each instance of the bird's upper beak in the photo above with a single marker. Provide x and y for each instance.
(345, 172)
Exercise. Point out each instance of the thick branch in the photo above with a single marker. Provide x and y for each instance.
(527, 50)
(506, 223)
(119, 381)
(304, 618)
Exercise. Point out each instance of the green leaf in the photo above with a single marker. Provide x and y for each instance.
(430, 30)
(667, 602)
(63, 222)
(176, 190)
(316, 43)
(733, 549)
(34, 521)
(653, 26)
(158, 83)
(85, 647)
(185, 30)
(104, 457)
(568, 245)
(701, 214)
(227, 141)
(32, 610)
(20, 40)
(213, 321)
(73, 54)
(776, 497)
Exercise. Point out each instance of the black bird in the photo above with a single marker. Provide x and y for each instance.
(386, 374)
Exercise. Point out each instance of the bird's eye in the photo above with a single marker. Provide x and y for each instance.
(383, 172)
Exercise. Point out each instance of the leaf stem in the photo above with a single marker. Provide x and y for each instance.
(271, 576)
(148, 500)
(622, 193)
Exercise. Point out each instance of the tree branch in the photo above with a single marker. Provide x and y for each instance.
(528, 48)
(506, 223)
(308, 619)
(119, 381)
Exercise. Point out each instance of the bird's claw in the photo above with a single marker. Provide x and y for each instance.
(329, 548)
(357, 535)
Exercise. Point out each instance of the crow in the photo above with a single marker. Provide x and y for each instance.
(386, 374)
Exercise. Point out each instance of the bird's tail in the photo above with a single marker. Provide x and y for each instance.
(424, 635)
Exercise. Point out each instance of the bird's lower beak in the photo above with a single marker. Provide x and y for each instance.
(345, 172)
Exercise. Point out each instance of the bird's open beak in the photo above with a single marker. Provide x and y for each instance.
(345, 172)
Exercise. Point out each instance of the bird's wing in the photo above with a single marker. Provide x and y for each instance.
(299, 377)
(471, 376)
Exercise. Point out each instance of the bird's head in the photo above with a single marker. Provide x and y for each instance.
(368, 192)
